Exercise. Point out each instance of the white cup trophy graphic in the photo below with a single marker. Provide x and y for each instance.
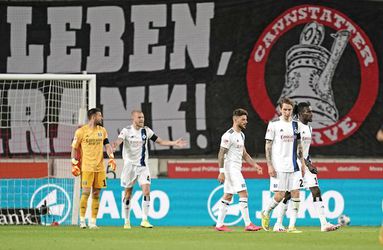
(310, 69)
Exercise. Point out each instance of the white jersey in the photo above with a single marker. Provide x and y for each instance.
(135, 147)
(285, 143)
(235, 143)
(306, 138)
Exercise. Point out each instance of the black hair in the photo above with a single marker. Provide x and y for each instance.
(92, 112)
(240, 112)
(299, 108)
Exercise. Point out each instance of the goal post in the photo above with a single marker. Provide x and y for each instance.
(39, 114)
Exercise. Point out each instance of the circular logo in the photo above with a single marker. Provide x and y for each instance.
(233, 215)
(56, 199)
(310, 69)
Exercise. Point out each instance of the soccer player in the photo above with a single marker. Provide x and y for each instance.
(310, 180)
(231, 154)
(87, 148)
(283, 147)
(135, 154)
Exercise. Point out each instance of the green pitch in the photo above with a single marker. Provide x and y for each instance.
(180, 238)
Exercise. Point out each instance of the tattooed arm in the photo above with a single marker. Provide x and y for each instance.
(301, 158)
(221, 157)
(270, 167)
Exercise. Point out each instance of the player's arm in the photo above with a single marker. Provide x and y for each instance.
(117, 143)
(75, 154)
(379, 135)
(179, 143)
(109, 151)
(268, 150)
(221, 158)
(251, 161)
(301, 158)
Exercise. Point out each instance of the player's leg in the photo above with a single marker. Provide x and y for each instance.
(144, 180)
(318, 204)
(277, 186)
(295, 184)
(228, 192)
(86, 185)
(95, 206)
(243, 205)
(224, 205)
(126, 204)
(128, 179)
(282, 212)
(99, 182)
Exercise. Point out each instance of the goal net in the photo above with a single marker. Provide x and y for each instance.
(39, 114)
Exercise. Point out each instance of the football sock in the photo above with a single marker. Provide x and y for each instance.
(282, 212)
(272, 204)
(95, 206)
(222, 212)
(318, 204)
(83, 204)
(126, 204)
(244, 210)
(294, 212)
(145, 207)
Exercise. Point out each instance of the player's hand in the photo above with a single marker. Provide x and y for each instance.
(272, 171)
(221, 178)
(311, 167)
(180, 143)
(258, 168)
(76, 171)
(112, 164)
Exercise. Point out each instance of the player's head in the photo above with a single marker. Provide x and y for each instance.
(95, 116)
(304, 112)
(240, 118)
(286, 105)
(138, 118)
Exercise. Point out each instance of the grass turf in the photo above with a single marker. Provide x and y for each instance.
(68, 237)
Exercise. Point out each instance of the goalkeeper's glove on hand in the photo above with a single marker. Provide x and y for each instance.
(112, 163)
(76, 171)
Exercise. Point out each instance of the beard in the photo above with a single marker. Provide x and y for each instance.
(100, 123)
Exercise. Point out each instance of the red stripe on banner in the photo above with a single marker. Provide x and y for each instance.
(23, 170)
(327, 170)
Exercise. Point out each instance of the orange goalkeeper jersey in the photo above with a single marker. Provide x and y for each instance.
(91, 142)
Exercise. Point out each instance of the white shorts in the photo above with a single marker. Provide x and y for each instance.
(131, 173)
(286, 181)
(234, 182)
(310, 179)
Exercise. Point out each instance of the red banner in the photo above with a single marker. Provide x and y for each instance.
(23, 170)
(327, 170)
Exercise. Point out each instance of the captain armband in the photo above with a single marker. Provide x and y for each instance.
(106, 141)
(154, 138)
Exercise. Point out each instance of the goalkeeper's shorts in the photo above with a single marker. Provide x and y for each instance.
(93, 179)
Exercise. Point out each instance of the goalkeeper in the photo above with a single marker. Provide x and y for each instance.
(88, 160)
(310, 180)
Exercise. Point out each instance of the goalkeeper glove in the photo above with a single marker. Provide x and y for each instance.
(76, 171)
(112, 163)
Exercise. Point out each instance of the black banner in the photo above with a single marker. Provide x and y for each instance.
(189, 64)
(20, 216)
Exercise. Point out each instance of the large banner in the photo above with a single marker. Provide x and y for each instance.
(185, 202)
(189, 64)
